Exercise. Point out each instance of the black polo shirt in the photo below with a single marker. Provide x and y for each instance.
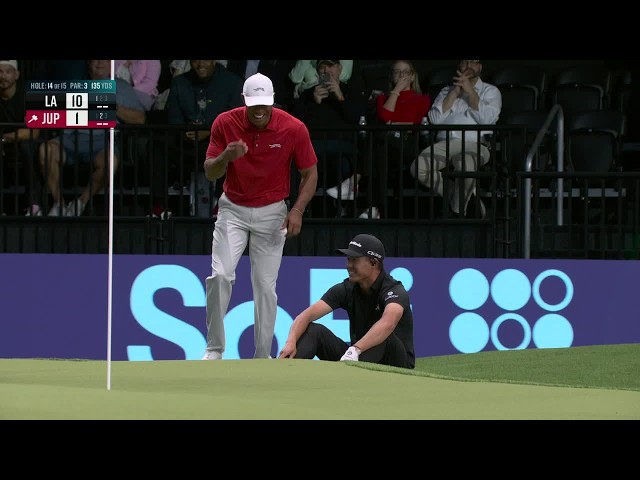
(365, 309)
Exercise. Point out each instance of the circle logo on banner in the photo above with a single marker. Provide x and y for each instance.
(510, 290)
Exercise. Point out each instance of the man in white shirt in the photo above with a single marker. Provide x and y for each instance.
(467, 101)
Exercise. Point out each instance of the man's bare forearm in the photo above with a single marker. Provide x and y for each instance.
(216, 167)
(307, 190)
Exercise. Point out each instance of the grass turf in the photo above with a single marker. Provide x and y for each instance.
(489, 385)
(615, 367)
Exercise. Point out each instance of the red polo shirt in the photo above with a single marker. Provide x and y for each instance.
(263, 175)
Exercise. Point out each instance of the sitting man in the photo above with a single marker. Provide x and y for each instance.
(88, 146)
(379, 309)
(467, 101)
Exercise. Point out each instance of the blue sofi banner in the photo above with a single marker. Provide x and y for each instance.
(56, 306)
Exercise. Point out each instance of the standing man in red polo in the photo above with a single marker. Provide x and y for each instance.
(254, 146)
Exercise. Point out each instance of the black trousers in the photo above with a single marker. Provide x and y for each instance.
(22, 159)
(335, 161)
(319, 341)
(173, 161)
(393, 154)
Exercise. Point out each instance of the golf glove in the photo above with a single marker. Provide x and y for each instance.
(350, 355)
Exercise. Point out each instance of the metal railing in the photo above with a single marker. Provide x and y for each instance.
(555, 111)
(528, 221)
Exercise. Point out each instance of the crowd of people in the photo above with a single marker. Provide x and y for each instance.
(328, 96)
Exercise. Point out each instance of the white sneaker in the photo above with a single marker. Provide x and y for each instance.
(348, 188)
(55, 210)
(211, 355)
(74, 208)
(375, 213)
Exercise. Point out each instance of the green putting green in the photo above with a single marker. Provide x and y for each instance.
(281, 389)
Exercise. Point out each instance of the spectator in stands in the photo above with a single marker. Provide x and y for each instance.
(19, 145)
(170, 69)
(304, 74)
(276, 70)
(178, 67)
(196, 98)
(143, 76)
(334, 104)
(404, 104)
(89, 146)
(467, 101)
(379, 310)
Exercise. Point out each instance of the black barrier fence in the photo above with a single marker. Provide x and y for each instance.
(368, 181)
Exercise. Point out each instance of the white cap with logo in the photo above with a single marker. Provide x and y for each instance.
(258, 90)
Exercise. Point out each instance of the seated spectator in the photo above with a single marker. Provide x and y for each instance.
(19, 145)
(404, 104)
(276, 70)
(333, 104)
(175, 68)
(143, 76)
(87, 146)
(178, 67)
(196, 98)
(304, 74)
(467, 101)
(169, 69)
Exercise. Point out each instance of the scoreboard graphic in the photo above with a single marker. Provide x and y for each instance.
(70, 104)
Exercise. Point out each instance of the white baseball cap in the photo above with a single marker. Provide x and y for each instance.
(258, 90)
(13, 63)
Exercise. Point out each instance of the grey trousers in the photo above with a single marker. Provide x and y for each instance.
(429, 168)
(235, 227)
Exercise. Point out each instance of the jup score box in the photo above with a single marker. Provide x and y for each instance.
(68, 119)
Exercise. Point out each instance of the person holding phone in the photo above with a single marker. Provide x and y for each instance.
(328, 81)
(324, 79)
(326, 109)
(304, 74)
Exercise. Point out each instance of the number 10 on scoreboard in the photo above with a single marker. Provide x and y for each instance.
(77, 109)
